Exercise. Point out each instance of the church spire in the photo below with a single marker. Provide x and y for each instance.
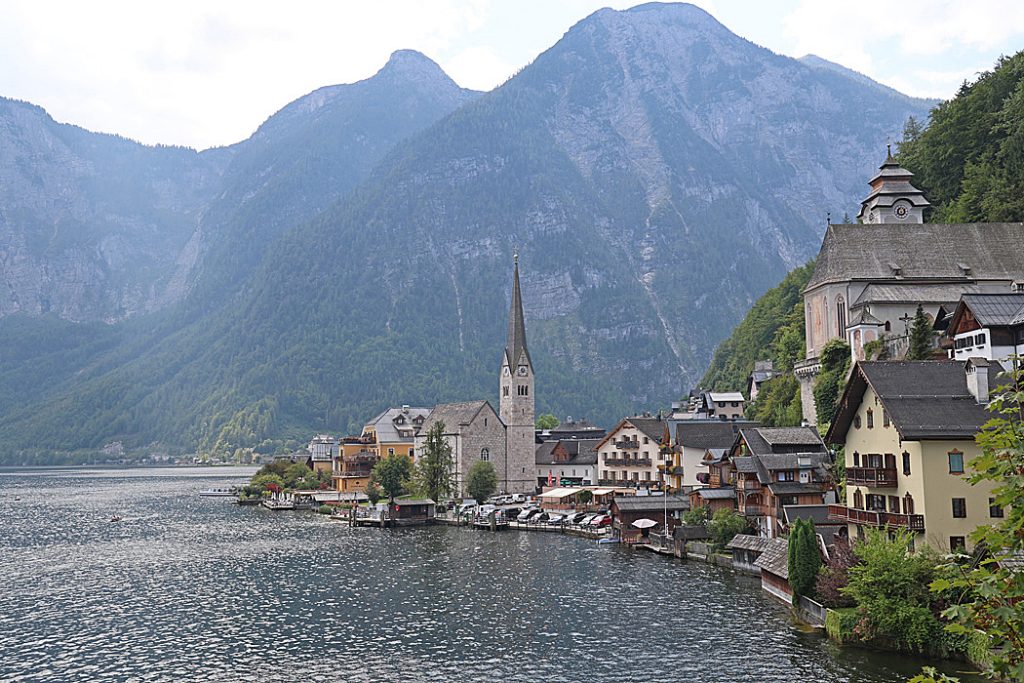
(515, 345)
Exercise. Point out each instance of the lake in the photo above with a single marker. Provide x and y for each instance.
(186, 588)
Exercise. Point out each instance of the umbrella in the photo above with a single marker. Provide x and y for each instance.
(644, 523)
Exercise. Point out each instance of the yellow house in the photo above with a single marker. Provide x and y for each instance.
(394, 430)
(908, 429)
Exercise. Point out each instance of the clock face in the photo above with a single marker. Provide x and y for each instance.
(522, 371)
(900, 211)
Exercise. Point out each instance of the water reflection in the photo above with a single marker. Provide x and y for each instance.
(190, 588)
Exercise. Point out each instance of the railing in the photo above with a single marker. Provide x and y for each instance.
(875, 518)
(755, 510)
(626, 445)
(628, 462)
(877, 477)
(748, 484)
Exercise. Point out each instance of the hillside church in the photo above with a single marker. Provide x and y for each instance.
(505, 438)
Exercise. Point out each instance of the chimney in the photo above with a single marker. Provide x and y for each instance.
(405, 409)
(976, 369)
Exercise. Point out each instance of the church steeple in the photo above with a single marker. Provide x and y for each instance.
(515, 344)
(893, 198)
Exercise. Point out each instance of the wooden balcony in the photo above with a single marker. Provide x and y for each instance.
(754, 510)
(874, 477)
(627, 445)
(842, 513)
(627, 462)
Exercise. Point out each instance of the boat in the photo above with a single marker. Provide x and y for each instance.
(115, 518)
(278, 504)
(219, 492)
(608, 539)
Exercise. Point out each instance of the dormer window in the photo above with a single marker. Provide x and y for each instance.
(896, 270)
(965, 269)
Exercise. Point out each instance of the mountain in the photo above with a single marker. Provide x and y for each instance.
(816, 62)
(92, 226)
(656, 172)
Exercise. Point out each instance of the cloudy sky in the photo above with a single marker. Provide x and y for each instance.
(204, 73)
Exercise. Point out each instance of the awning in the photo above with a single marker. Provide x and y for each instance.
(604, 491)
(559, 493)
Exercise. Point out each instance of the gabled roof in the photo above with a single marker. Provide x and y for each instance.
(765, 440)
(748, 542)
(455, 415)
(775, 558)
(385, 427)
(913, 293)
(922, 251)
(581, 452)
(992, 310)
(721, 493)
(706, 434)
(725, 396)
(652, 427)
(923, 399)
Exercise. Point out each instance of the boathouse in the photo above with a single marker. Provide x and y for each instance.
(412, 511)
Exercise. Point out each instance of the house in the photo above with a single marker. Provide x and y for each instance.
(746, 550)
(773, 564)
(989, 326)
(714, 499)
(632, 452)
(693, 438)
(764, 370)
(777, 466)
(474, 432)
(323, 449)
(664, 509)
(352, 471)
(719, 470)
(394, 430)
(412, 511)
(869, 278)
(907, 428)
(567, 462)
(573, 429)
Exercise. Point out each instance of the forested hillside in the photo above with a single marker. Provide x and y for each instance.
(970, 159)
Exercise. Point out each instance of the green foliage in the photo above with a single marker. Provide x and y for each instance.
(374, 492)
(920, 347)
(391, 474)
(724, 525)
(778, 403)
(262, 482)
(770, 325)
(889, 583)
(585, 496)
(988, 595)
(697, 516)
(835, 361)
(804, 559)
(874, 348)
(547, 421)
(434, 472)
(481, 481)
(324, 509)
(970, 159)
(841, 624)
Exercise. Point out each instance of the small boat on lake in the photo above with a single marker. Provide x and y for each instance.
(115, 518)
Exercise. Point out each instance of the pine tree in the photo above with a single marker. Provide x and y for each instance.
(433, 474)
(920, 336)
(804, 558)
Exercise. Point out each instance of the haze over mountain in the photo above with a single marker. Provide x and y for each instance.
(656, 172)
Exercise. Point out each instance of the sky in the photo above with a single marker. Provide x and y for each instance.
(205, 73)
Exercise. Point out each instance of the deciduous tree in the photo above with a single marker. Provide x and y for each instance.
(481, 481)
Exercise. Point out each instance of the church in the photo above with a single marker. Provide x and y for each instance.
(870, 277)
(505, 437)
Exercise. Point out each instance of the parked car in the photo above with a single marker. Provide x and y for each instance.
(577, 518)
(517, 498)
(511, 513)
(555, 520)
(600, 521)
(542, 517)
(467, 508)
(485, 510)
(587, 519)
(526, 514)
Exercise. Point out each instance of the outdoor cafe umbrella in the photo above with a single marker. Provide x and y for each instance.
(644, 523)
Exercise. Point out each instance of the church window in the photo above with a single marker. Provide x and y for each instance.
(485, 454)
(856, 422)
(888, 326)
(871, 419)
(504, 391)
(841, 315)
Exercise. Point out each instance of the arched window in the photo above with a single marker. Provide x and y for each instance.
(841, 316)
(888, 326)
(856, 421)
(908, 504)
(485, 454)
(856, 459)
(871, 419)
(858, 500)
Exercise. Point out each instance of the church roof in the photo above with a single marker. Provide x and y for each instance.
(921, 251)
(454, 415)
(891, 183)
(913, 293)
(515, 345)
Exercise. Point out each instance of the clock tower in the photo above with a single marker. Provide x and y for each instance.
(893, 199)
(517, 399)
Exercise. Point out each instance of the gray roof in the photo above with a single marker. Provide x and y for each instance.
(414, 501)
(650, 426)
(775, 558)
(515, 344)
(651, 503)
(998, 310)
(580, 425)
(922, 251)
(766, 440)
(454, 415)
(792, 488)
(722, 493)
(764, 465)
(581, 452)
(816, 513)
(748, 542)
(924, 399)
(706, 434)
(913, 293)
(387, 430)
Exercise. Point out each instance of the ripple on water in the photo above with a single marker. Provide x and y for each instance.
(198, 589)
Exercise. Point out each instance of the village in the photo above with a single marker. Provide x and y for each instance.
(929, 320)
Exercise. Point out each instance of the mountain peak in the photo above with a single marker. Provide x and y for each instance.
(410, 65)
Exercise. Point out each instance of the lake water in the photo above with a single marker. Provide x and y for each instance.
(185, 588)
